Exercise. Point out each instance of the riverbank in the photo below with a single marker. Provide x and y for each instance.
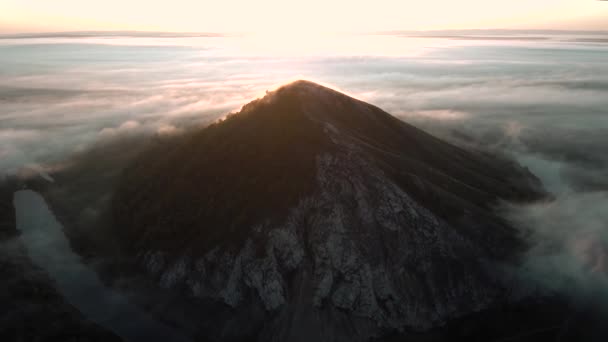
(31, 308)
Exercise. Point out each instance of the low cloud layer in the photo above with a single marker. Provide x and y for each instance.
(543, 102)
(569, 246)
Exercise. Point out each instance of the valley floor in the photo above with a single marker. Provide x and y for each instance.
(31, 309)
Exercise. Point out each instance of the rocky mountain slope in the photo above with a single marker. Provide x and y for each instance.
(310, 215)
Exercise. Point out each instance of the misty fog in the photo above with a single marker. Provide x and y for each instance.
(541, 101)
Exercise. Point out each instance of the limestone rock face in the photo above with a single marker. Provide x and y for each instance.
(356, 225)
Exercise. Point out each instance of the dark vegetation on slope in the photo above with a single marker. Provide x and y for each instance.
(82, 193)
(209, 187)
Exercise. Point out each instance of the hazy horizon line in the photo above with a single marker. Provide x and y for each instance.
(194, 34)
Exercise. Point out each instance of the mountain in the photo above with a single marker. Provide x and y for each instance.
(310, 215)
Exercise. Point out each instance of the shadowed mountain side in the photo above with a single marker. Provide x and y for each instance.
(323, 216)
(258, 163)
(250, 167)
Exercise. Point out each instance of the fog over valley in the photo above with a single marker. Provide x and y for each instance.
(77, 108)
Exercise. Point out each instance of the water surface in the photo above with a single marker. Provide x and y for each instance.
(48, 247)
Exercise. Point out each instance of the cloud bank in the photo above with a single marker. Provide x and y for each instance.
(543, 102)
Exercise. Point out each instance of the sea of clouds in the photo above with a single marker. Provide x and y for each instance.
(543, 102)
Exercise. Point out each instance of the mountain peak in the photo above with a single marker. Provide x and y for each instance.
(326, 107)
(302, 85)
(310, 90)
(303, 90)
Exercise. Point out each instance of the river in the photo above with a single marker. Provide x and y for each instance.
(49, 248)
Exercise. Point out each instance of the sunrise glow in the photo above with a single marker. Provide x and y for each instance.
(273, 16)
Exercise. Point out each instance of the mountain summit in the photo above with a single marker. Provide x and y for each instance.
(310, 215)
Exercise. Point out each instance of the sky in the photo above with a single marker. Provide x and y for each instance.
(270, 16)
